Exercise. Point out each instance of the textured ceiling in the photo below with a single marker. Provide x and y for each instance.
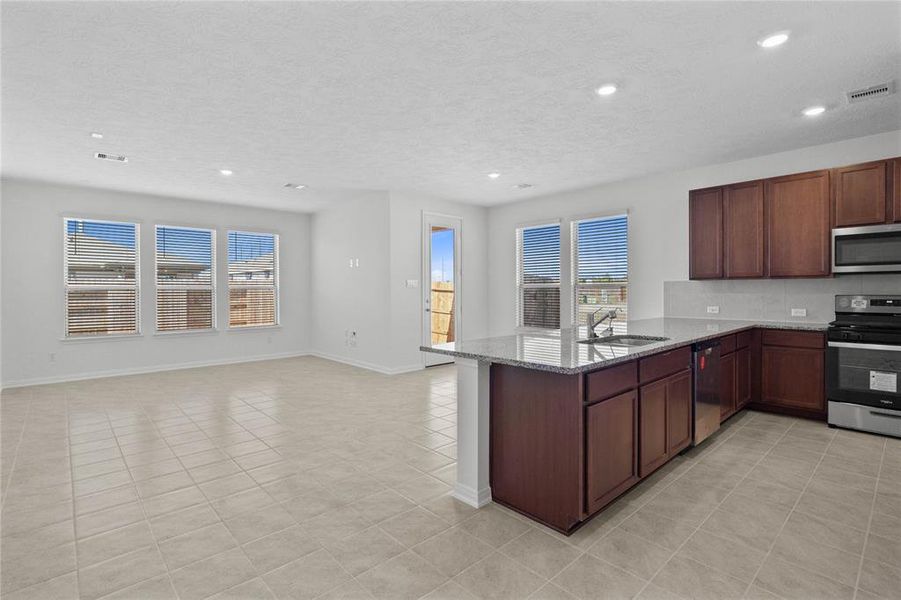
(425, 96)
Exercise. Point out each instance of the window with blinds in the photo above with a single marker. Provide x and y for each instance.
(538, 276)
(252, 279)
(600, 261)
(102, 278)
(185, 278)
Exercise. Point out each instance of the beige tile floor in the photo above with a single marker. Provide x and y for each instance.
(303, 478)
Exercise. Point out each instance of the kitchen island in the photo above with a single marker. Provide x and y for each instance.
(557, 429)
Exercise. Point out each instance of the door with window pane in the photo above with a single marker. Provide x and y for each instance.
(441, 284)
(601, 268)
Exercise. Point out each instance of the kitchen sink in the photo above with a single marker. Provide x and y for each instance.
(625, 340)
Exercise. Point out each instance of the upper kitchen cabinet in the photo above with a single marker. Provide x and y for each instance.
(859, 194)
(797, 225)
(705, 233)
(743, 230)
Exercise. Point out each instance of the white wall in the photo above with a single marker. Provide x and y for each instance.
(384, 231)
(658, 219)
(406, 244)
(346, 298)
(33, 304)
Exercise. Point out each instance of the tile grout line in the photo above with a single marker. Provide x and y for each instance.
(863, 551)
(790, 512)
(698, 527)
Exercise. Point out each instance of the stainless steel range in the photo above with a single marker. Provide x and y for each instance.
(863, 364)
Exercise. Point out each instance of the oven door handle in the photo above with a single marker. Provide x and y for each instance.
(885, 347)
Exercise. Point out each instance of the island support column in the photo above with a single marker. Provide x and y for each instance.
(473, 389)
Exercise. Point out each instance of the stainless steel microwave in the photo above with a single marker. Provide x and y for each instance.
(870, 249)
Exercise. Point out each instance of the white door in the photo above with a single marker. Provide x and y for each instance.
(441, 278)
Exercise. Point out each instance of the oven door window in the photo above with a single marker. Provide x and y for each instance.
(868, 249)
(865, 376)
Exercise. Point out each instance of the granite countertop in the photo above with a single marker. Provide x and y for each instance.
(558, 350)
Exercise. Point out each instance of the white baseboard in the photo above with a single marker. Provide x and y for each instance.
(151, 369)
(368, 365)
(471, 496)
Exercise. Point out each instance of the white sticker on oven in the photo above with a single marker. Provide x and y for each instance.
(881, 381)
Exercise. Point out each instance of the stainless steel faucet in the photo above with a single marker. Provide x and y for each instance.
(610, 315)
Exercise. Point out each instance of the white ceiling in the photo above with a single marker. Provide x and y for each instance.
(425, 96)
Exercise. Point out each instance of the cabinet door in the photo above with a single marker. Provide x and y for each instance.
(896, 189)
(705, 233)
(742, 377)
(612, 457)
(727, 386)
(793, 377)
(859, 194)
(678, 412)
(743, 230)
(652, 426)
(797, 223)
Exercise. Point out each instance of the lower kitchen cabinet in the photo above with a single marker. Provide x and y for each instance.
(742, 378)
(611, 433)
(727, 386)
(664, 417)
(793, 372)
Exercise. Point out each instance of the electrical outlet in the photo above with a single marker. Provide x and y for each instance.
(713, 310)
(799, 312)
(53, 357)
(352, 340)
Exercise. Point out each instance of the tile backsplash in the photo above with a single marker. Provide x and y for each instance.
(770, 299)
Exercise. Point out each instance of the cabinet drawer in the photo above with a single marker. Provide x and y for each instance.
(742, 339)
(610, 382)
(663, 364)
(793, 339)
(727, 345)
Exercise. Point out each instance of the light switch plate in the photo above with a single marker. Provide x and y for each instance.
(412, 283)
(799, 312)
(713, 310)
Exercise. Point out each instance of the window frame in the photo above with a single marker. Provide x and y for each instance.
(574, 258)
(213, 287)
(276, 280)
(520, 287)
(138, 332)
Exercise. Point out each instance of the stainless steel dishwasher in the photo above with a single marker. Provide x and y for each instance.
(706, 398)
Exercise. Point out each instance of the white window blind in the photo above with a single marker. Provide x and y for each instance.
(252, 279)
(102, 278)
(185, 278)
(538, 276)
(600, 266)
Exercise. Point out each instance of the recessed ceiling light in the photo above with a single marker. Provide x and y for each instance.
(771, 41)
(226, 172)
(606, 89)
(96, 135)
(813, 111)
(300, 186)
(494, 175)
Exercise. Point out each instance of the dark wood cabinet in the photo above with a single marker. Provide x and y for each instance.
(743, 230)
(742, 378)
(705, 233)
(652, 452)
(611, 448)
(679, 413)
(727, 386)
(859, 194)
(665, 420)
(798, 225)
(793, 372)
(896, 190)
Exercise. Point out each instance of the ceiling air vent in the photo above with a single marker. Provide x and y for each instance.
(112, 157)
(874, 91)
